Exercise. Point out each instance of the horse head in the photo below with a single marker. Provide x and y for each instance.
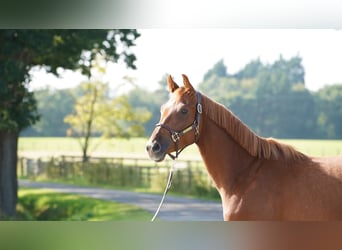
(178, 126)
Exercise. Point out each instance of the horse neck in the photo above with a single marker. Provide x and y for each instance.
(226, 161)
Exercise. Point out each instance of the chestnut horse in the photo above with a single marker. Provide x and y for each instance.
(257, 178)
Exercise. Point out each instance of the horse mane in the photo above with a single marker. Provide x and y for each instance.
(263, 148)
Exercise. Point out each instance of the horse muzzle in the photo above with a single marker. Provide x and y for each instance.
(156, 150)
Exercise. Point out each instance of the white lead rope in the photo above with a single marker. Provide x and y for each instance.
(167, 188)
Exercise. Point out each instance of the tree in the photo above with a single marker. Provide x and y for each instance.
(20, 50)
(146, 101)
(53, 106)
(271, 99)
(95, 113)
(219, 69)
(251, 70)
(150, 101)
(329, 121)
(282, 100)
(161, 94)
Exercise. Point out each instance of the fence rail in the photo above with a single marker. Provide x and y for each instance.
(190, 176)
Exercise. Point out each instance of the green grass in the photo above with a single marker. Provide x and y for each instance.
(37, 147)
(66, 144)
(44, 204)
(136, 146)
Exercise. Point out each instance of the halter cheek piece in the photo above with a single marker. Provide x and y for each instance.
(176, 135)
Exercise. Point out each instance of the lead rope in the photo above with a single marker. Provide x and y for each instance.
(167, 188)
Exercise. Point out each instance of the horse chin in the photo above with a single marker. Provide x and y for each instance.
(158, 158)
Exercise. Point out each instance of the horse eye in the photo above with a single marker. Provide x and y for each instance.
(184, 111)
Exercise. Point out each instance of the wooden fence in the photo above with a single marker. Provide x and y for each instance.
(190, 175)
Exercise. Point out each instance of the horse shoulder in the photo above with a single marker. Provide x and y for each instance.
(258, 197)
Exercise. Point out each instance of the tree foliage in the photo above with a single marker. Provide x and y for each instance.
(219, 70)
(53, 105)
(329, 101)
(52, 49)
(273, 101)
(150, 101)
(96, 113)
(20, 50)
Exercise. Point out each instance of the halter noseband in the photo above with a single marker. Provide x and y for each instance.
(176, 135)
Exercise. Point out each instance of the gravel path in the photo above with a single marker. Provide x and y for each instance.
(173, 209)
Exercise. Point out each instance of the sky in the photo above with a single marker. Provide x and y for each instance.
(194, 51)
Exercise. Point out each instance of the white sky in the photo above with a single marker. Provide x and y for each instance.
(194, 51)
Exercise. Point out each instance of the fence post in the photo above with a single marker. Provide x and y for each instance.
(61, 167)
(21, 162)
(149, 176)
(189, 175)
(29, 167)
(39, 167)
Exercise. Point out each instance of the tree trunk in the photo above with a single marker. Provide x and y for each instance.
(85, 149)
(8, 173)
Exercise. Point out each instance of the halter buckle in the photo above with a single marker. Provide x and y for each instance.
(175, 137)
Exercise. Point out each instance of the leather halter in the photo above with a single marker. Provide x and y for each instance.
(176, 135)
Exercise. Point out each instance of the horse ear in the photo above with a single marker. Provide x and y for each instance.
(187, 83)
(172, 85)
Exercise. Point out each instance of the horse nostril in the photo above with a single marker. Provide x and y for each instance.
(156, 147)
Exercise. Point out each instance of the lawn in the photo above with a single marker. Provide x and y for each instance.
(56, 146)
(136, 146)
(67, 144)
(44, 204)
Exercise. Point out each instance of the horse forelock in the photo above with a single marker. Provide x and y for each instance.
(265, 148)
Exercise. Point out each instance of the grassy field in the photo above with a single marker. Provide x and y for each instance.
(65, 144)
(43, 204)
(136, 146)
(48, 146)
